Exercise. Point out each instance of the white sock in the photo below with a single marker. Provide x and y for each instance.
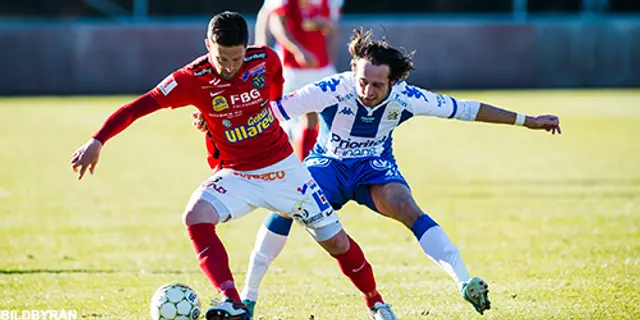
(267, 247)
(438, 247)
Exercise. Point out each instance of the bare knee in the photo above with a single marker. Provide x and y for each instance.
(406, 211)
(337, 244)
(395, 201)
(200, 212)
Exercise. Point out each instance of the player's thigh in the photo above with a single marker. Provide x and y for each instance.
(331, 177)
(377, 172)
(229, 194)
(301, 198)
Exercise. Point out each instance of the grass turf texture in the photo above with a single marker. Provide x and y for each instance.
(551, 222)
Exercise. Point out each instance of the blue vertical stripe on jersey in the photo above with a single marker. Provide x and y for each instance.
(387, 148)
(281, 109)
(455, 108)
(365, 125)
(326, 116)
(406, 115)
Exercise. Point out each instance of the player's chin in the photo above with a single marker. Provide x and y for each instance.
(369, 102)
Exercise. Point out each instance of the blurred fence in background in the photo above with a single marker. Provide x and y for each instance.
(108, 46)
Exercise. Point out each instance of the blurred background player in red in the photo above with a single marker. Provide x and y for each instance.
(306, 35)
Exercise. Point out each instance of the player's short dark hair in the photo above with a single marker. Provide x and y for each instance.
(379, 52)
(228, 29)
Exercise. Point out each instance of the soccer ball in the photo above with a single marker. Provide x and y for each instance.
(175, 301)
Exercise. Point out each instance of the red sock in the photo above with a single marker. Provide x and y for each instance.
(214, 260)
(307, 141)
(355, 266)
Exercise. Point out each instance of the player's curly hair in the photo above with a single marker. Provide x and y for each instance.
(379, 52)
(228, 29)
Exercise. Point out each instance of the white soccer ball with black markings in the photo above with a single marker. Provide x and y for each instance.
(175, 301)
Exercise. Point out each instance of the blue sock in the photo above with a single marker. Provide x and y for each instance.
(278, 224)
(421, 225)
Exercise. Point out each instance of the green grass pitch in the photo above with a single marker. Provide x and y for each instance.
(551, 222)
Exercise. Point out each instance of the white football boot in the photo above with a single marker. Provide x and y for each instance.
(229, 309)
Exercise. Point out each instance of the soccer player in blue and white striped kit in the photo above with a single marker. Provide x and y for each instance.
(353, 158)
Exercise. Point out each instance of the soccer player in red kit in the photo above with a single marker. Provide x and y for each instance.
(253, 162)
(306, 32)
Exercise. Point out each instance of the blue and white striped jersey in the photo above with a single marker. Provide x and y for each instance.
(348, 129)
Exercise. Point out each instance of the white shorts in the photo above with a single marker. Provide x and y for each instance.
(286, 187)
(295, 79)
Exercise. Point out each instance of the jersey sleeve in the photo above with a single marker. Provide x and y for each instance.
(278, 7)
(427, 103)
(125, 116)
(335, 9)
(173, 91)
(277, 82)
(313, 97)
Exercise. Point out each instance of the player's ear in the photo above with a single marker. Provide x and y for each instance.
(207, 45)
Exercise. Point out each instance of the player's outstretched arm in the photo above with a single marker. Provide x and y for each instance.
(87, 156)
(492, 114)
(261, 29)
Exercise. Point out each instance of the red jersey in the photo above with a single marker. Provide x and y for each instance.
(243, 133)
(299, 15)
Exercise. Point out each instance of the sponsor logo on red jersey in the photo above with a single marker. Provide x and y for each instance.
(255, 126)
(168, 84)
(219, 103)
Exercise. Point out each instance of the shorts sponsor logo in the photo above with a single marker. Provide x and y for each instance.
(301, 215)
(317, 162)
(269, 176)
(215, 185)
(312, 188)
(381, 164)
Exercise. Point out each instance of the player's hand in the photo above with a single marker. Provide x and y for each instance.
(326, 26)
(547, 122)
(305, 58)
(86, 157)
(198, 121)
